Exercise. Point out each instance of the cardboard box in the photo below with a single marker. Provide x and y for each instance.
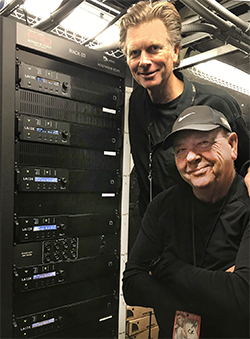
(140, 324)
(148, 334)
(138, 311)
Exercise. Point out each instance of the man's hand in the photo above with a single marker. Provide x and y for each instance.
(247, 181)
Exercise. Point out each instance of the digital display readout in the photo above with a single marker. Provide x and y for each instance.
(44, 228)
(44, 275)
(45, 179)
(48, 81)
(44, 322)
(50, 131)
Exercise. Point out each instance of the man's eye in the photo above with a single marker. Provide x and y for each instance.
(204, 144)
(134, 53)
(154, 48)
(180, 151)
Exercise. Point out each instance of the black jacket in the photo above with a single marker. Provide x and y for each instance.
(142, 114)
(165, 247)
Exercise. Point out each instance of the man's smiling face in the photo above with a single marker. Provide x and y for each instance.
(206, 159)
(150, 56)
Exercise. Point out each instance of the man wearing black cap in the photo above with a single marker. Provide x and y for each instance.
(191, 256)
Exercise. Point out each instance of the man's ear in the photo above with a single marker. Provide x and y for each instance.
(176, 53)
(233, 142)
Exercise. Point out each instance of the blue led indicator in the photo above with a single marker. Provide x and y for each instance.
(44, 275)
(45, 179)
(44, 228)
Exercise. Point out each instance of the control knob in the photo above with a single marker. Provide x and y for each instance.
(65, 134)
(65, 86)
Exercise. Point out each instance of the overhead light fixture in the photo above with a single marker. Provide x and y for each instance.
(224, 75)
(86, 20)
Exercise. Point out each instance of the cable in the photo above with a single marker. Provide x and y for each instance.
(198, 27)
(112, 22)
(226, 14)
(58, 15)
(11, 7)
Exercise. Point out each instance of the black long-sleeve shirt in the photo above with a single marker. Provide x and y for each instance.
(155, 121)
(167, 247)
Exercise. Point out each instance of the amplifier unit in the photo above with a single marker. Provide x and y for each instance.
(55, 296)
(44, 155)
(43, 130)
(44, 80)
(87, 86)
(42, 276)
(37, 228)
(33, 203)
(40, 179)
(101, 309)
(50, 131)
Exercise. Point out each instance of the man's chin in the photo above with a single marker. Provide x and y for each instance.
(199, 183)
(149, 83)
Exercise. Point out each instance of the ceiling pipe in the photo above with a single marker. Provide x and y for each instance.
(111, 23)
(230, 32)
(197, 28)
(57, 16)
(226, 14)
(11, 7)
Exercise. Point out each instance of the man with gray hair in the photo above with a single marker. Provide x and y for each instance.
(191, 256)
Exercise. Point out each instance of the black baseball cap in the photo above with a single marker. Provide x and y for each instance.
(197, 118)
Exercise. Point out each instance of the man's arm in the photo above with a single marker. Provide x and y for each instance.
(221, 291)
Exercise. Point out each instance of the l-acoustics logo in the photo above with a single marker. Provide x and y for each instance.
(39, 40)
(106, 59)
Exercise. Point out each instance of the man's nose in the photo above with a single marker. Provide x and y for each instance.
(192, 156)
(144, 59)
